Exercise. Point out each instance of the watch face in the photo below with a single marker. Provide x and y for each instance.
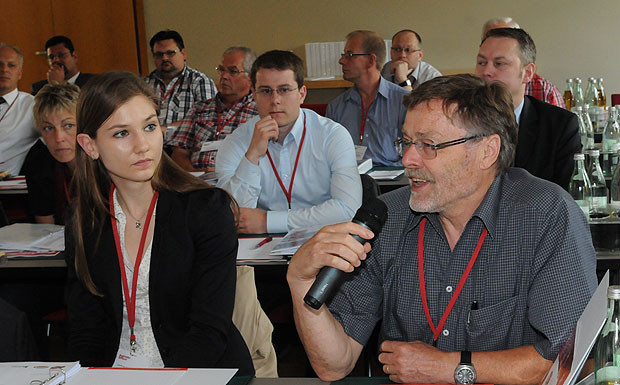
(465, 375)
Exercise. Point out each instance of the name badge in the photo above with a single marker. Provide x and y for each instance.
(169, 132)
(125, 360)
(210, 146)
(359, 152)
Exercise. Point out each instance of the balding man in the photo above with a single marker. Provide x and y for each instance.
(17, 132)
(406, 67)
(538, 87)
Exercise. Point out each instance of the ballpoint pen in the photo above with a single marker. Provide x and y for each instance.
(264, 242)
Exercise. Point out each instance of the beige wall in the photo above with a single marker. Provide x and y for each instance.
(574, 38)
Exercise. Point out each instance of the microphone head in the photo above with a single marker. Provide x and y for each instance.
(372, 214)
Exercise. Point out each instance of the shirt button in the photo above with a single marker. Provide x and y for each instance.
(449, 289)
(445, 332)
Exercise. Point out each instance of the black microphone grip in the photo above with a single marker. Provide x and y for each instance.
(328, 281)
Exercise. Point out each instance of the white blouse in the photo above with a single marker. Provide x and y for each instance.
(146, 347)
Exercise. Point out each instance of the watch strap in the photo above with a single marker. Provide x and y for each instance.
(405, 83)
(465, 357)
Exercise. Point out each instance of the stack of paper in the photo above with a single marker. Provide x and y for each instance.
(49, 373)
(294, 239)
(257, 250)
(35, 238)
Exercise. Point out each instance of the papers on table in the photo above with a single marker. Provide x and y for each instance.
(12, 373)
(574, 352)
(32, 237)
(386, 174)
(16, 183)
(294, 239)
(250, 251)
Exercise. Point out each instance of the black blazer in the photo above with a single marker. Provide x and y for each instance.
(548, 138)
(191, 287)
(79, 81)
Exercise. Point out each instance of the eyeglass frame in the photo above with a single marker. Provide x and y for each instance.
(400, 143)
(350, 55)
(267, 92)
(170, 53)
(221, 69)
(61, 55)
(406, 50)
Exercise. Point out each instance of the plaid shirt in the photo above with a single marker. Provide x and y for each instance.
(543, 89)
(532, 279)
(189, 87)
(201, 125)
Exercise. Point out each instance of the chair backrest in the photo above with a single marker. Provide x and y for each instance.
(320, 109)
(370, 188)
(3, 219)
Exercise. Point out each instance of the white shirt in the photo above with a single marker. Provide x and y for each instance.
(145, 339)
(73, 78)
(17, 133)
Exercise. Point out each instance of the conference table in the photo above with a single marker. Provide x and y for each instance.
(308, 381)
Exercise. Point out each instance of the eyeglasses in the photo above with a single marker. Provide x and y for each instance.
(61, 55)
(349, 55)
(231, 70)
(427, 150)
(267, 92)
(159, 55)
(406, 50)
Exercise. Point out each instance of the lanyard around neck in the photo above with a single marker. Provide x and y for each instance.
(162, 89)
(130, 300)
(7, 110)
(363, 121)
(459, 287)
(220, 124)
(289, 193)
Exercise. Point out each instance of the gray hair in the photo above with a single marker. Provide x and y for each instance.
(249, 56)
(17, 51)
(500, 20)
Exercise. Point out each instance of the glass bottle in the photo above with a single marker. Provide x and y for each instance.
(586, 131)
(578, 92)
(607, 349)
(579, 187)
(592, 98)
(569, 100)
(601, 93)
(611, 137)
(598, 187)
(614, 193)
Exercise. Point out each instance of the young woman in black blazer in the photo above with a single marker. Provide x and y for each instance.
(137, 217)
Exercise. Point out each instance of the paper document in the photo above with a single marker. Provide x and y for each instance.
(12, 373)
(16, 183)
(294, 239)
(249, 249)
(32, 236)
(386, 174)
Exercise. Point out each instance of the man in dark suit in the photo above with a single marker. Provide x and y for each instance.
(63, 61)
(548, 135)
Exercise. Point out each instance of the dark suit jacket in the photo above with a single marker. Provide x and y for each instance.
(191, 287)
(79, 81)
(548, 138)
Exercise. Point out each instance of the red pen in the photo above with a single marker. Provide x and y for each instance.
(264, 242)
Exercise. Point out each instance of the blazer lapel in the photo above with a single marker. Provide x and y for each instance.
(162, 216)
(527, 133)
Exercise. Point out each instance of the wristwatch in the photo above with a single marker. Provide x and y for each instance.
(465, 372)
(406, 83)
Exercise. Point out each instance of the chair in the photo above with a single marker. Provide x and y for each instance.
(320, 109)
(370, 188)
(16, 337)
(3, 219)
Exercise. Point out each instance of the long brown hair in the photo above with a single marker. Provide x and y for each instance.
(100, 98)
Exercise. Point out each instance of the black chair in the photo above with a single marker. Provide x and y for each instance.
(370, 188)
(3, 219)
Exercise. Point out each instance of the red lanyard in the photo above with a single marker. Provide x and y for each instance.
(162, 89)
(131, 300)
(7, 110)
(220, 125)
(459, 287)
(288, 193)
(363, 121)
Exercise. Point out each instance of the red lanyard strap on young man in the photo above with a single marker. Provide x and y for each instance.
(130, 300)
(459, 287)
(289, 193)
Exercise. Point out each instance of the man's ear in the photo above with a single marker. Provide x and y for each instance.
(88, 145)
(492, 146)
(528, 72)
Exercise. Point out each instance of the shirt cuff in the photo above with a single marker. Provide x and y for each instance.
(277, 221)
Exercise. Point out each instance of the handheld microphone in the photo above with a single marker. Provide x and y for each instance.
(371, 215)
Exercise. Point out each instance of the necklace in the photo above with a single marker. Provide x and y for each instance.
(138, 220)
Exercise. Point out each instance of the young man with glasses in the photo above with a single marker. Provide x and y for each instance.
(288, 167)
(372, 110)
(406, 67)
(196, 141)
(178, 85)
(471, 273)
(63, 62)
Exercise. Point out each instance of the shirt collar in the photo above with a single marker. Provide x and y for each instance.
(73, 78)
(182, 73)
(298, 128)
(10, 96)
(519, 109)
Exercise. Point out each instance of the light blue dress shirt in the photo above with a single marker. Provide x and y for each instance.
(327, 188)
(518, 110)
(384, 121)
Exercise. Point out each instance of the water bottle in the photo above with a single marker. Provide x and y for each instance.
(579, 187)
(569, 100)
(598, 187)
(614, 193)
(601, 93)
(611, 137)
(586, 132)
(578, 92)
(607, 349)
